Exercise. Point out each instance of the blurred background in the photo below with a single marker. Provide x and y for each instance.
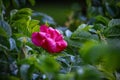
(68, 13)
(59, 10)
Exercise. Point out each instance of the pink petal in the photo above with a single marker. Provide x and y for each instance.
(61, 45)
(38, 38)
(52, 33)
(49, 39)
(55, 34)
(59, 38)
(51, 45)
(44, 28)
(58, 35)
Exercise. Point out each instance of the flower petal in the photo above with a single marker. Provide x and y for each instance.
(38, 38)
(51, 45)
(55, 34)
(61, 45)
(44, 28)
(49, 39)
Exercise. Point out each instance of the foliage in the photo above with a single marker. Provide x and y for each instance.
(88, 11)
(92, 54)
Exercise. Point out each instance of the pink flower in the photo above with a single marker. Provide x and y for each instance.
(49, 39)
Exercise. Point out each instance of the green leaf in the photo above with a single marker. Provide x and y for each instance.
(110, 12)
(68, 33)
(22, 13)
(113, 64)
(6, 27)
(43, 63)
(26, 11)
(79, 33)
(13, 78)
(6, 3)
(100, 19)
(33, 26)
(113, 29)
(48, 64)
(99, 27)
(73, 42)
(30, 72)
(21, 21)
(29, 60)
(13, 12)
(88, 72)
(114, 22)
(91, 52)
(3, 32)
(113, 32)
(112, 60)
(23, 2)
(32, 2)
(68, 76)
(118, 4)
(89, 3)
(83, 33)
(21, 26)
(2, 47)
(16, 3)
(33, 23)
(12, 43)
(8, 77)
(96, 53)
(18, 35)
(36, 28)
(4, 43)
(24, 39)
(24, 70)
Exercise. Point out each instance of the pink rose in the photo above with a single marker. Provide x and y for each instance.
(49, 39)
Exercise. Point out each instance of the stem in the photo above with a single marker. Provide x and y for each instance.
(24, 48)
(70, 67)
(102, 37)
(24, 51)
